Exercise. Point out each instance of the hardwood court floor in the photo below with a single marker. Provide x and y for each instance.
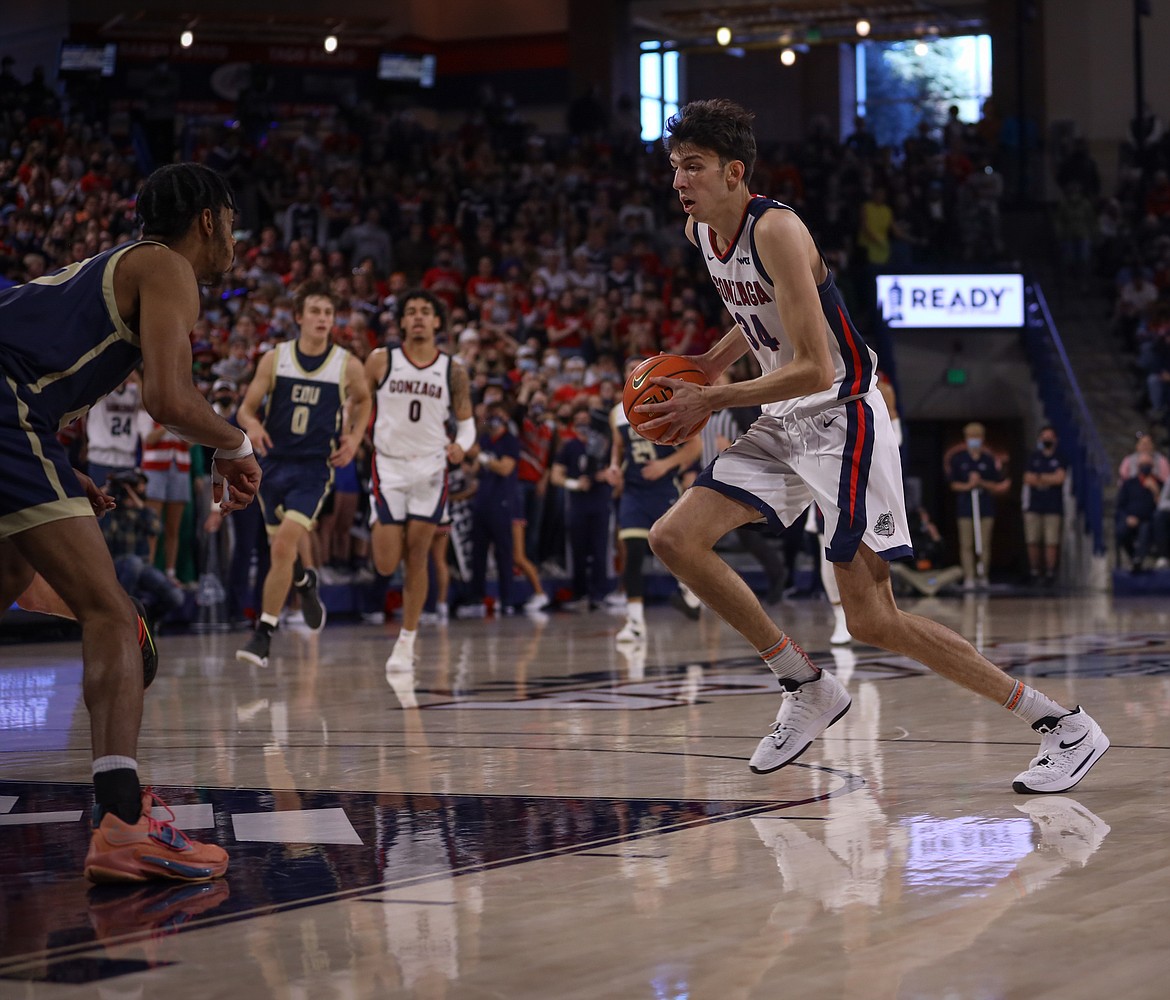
(560, 819)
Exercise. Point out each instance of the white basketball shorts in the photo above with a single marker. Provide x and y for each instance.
(844, 459)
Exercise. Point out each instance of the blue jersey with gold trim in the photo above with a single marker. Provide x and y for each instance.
(62, 338)
(303, 413)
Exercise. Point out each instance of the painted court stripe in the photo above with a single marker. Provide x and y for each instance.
(7, 802)
(296, 826)
(30, 819)
(198, 816)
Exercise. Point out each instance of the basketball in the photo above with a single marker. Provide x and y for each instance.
(639, 389)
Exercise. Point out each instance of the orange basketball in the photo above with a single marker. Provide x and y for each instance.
(639, 389)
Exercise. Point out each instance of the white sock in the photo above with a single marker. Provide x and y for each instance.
(441, 608)
(635, 612)
(406, 638)
(789, 662)
(1032, 706)
(268, 619)
(113, 762)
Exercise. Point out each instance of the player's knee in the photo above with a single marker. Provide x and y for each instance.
(871, 626)
(283, 549)
(667, 541)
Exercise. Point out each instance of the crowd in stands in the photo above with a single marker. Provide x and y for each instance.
(558, 256)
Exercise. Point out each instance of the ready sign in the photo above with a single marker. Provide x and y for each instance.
(951, 300)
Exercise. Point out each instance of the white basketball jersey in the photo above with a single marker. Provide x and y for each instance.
(411, 407)
(750, 297)
(112, 428)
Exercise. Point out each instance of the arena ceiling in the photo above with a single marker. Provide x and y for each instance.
(694, 22)
(689, 23)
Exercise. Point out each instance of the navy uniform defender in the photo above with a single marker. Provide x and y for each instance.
(308, 388)
(66, 340)
(648, 473)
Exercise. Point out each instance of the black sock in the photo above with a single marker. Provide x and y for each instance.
(119, 792)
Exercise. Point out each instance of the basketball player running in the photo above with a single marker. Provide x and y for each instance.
(133, 304)
(824, 437)
(648, 474)
(308, 389)
(417, 388)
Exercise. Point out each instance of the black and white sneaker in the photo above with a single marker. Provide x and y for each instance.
(256, 651)
(1069, 746)
(311, 606)
(808, 710)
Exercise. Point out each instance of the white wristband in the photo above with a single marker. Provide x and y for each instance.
(243, 451)
(484, 459)
(573, 485)
(465, 433)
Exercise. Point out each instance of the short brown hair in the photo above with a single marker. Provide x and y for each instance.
(308, 288)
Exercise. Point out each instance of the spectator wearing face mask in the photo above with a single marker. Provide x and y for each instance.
(1043, 503)
(580, 467)
(1137, 502)
(976, 477)
(536, 445)
(1143, 453)
(493, 508)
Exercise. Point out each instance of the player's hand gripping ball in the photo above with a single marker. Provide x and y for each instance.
(639, 389)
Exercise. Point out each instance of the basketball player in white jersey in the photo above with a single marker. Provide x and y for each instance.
(316, 409)
(417, 389)
(824, 437)
(112, 431)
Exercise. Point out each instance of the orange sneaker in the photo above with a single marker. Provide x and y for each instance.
(150, 849)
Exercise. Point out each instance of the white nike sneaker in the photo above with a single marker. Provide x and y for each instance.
(1069, 747)
(632, 631)
(807, 711)
(400, 660)
(537, 602)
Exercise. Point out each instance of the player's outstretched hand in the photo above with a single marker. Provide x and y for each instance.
(234, 482)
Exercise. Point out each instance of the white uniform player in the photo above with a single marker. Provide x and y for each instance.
(833, 447)
(412, 406)
(419, 393)
(825, 436)
(112, 431)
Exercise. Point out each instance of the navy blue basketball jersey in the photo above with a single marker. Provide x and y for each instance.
(303, 413)
(639, 452)
(61, 337)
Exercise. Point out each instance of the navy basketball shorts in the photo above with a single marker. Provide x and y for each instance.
(295, 490)
(39, 484)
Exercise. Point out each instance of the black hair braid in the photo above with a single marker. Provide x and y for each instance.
(174, 196)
